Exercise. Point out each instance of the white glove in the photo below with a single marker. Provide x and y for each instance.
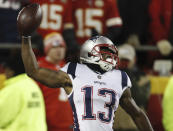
(133, 40)
(165, 47)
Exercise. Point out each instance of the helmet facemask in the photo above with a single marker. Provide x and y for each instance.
(105, 55)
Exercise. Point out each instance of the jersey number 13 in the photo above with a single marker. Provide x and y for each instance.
(88, 107)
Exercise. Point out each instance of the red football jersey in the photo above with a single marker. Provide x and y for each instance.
(161, 13)
(57, 15)
(58, 110)
(98, 14)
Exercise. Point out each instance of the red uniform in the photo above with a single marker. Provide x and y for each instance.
(58, 110)
(56, 16)
(98, 14)
(160, 13)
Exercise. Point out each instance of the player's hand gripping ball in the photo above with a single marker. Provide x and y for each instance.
(29, 19)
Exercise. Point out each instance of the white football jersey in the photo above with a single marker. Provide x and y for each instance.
(95, 97)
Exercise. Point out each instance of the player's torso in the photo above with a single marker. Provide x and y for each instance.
(54, 12)
(89, 14)
(95, 98)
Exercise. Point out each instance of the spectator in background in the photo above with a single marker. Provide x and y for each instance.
(57, 17)
(93, 17)
(140, 86)
(161, 25)
(21, 101)
(168, 106)
(135, 18)
(58, 110)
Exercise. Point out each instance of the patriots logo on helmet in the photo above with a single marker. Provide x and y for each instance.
(94, 39)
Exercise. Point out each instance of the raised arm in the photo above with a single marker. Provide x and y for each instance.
(48, 77)
(138, 116)
(28, 20)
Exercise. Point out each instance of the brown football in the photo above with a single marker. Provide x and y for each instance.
(29, 19)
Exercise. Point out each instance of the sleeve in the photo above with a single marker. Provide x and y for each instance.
(129, 83)
(125, 81)
(10, 103)
(65, 69)
(113, 18)
(168, 106)
(70, 68)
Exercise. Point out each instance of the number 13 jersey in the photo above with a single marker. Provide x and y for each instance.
(95, 97)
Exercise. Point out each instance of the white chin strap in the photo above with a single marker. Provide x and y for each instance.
(105, 66)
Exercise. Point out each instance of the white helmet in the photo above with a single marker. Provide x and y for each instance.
(91, 52)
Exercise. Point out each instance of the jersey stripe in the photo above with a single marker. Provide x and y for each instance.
(72, 69)
(76, 124)
(124, 79)
(114, 22)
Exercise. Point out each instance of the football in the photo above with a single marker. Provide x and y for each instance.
(29, 19)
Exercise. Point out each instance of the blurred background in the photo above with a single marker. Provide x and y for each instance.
(141, 29)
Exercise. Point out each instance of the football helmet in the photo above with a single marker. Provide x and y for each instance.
(101, 51)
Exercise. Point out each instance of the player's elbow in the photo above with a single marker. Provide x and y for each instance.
(29, 74)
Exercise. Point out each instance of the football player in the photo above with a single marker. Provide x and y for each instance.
(92, 17)
(94, 87)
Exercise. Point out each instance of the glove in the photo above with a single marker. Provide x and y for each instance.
(164, 47)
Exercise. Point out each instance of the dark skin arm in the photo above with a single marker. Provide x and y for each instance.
(47, 77)
(138, 116)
